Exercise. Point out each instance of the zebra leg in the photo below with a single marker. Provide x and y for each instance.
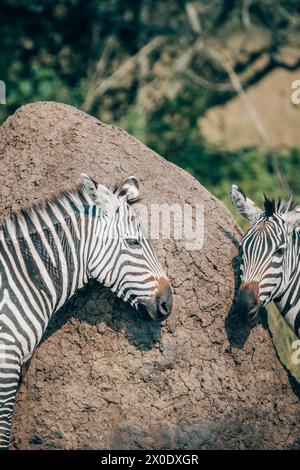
(10, 368)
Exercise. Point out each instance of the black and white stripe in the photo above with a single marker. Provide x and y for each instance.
(50, 251)
(271, 253)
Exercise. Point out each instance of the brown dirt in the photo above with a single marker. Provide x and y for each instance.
(104, 379)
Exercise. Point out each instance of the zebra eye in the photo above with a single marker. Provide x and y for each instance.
(279, 252)
(132, 241)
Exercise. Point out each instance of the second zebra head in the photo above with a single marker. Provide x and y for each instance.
(122, 257)
(270, 256)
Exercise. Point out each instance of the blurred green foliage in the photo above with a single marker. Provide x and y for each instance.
(42, 51)
(174, 133)
(49, 48)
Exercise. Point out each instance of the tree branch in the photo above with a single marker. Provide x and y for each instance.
(114, 80)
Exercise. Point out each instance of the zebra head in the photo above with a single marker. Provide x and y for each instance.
(123, 257)
(266, 250)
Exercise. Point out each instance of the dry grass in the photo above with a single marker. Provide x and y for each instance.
(283, 338)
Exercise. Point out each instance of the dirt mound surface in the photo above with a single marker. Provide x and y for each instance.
(103, 378)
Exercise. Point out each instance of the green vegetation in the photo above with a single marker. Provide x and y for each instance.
(62, 49)
(173, 132)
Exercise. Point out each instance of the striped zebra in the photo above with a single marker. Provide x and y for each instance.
(270, 266)
(51, 250)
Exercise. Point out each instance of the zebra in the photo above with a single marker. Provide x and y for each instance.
(51, 250)
(270, 264)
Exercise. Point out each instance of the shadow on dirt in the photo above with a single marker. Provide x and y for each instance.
(95, 304)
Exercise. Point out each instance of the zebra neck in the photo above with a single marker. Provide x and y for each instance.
(46, 249)
(72, 251)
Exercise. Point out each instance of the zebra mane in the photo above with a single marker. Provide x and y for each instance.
(77, 194)
(279, 206)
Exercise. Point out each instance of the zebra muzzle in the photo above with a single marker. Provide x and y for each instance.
(157, 307)
(247, 302)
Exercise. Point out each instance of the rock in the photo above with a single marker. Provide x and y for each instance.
(103, 379)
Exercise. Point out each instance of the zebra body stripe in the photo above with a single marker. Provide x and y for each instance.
(50, 251)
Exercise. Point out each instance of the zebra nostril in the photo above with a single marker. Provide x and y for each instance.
(164, 299)
(247, 302)
(163, 308)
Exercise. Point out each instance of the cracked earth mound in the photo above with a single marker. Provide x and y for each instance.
(103, 379)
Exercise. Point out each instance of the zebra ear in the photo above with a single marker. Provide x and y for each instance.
(100, 195)
(292, 218)
(243, 205)
(129, 190)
